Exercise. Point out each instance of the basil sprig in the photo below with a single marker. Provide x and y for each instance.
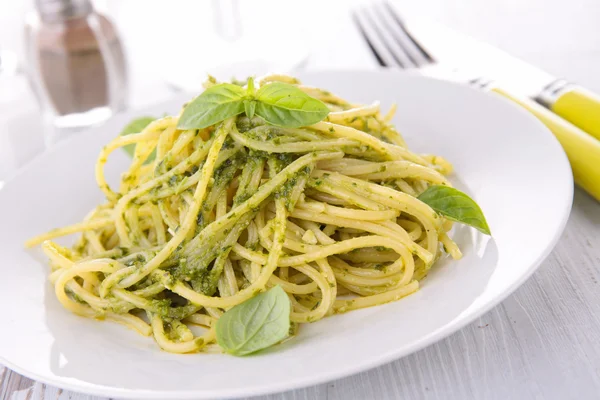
(287, 106)
(215, 104)
(277, 103)
(255, 324)
(456, 206)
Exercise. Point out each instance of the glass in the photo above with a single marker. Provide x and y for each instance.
(20, 140)
(8, 63)
(8, 68)
(229, 38)
(75, 64)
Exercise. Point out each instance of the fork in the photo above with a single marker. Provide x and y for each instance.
(393, 46)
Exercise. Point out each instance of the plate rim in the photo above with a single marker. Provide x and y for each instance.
(351, 368)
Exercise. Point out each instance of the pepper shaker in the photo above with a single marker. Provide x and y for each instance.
(76, 65)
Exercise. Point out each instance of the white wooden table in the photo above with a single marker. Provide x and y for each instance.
(543, 342)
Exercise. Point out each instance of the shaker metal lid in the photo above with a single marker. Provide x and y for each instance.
(63, 9)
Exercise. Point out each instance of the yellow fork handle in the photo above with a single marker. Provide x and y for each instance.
(580, 107)
(582, 149)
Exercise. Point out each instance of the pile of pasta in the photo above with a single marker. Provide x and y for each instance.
(205, 219)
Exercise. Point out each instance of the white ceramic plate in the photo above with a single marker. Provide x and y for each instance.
(508, 161)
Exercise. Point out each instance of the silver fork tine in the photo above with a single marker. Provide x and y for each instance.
(398, 31)
(387, 37)
(378, 47)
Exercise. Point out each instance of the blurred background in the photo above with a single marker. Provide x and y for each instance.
(141, 52)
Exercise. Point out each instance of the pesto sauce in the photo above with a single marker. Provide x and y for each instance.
(244, 124)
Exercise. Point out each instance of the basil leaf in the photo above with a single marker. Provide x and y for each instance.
(287, 106)
(255, 324)
(215, 104)
(456, 206)
(250, 88)
(249, 107)
(136, 126)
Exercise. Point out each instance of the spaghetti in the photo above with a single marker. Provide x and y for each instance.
(328, 212)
